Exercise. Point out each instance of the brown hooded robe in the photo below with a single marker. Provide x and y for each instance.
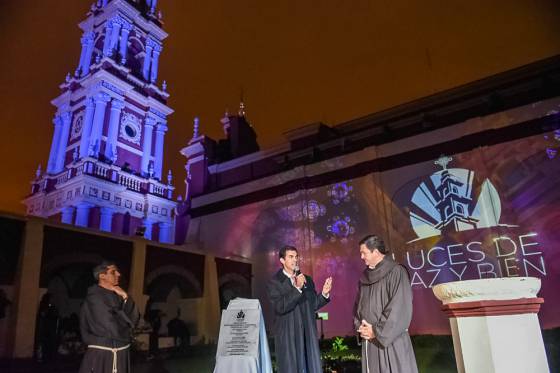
(385, 300)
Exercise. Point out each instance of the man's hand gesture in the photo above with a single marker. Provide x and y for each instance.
(327, 286)
(120, 292)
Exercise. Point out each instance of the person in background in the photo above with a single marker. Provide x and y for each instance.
(107, 319)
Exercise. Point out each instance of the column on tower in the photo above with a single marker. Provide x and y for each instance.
(165, 233)
(147, 58)
(89, 53)
(149, 124)
(155, 62)
(107, 40)
(67, 214)
(114, 120)
(106, 220)
(87, 41)
(63, 142)
(117, 24)
(86, 128)
(51, 165)
(83, 41)
(101, 100)
(160, 134)
(148, 224)
(123, 46)
(82, 214)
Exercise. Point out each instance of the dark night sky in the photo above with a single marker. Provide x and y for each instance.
(297, 62)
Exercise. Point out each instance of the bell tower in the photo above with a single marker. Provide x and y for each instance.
(105, 166)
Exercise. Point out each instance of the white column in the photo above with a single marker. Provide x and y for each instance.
(153, 6)
(147, 59)
(155, 63)
(51, 166)
(160, 134)
(114, 120)
(101, 100)
(67, 214)
(148, 232)
(123, 47)
(86, 127)
(89, 53)
(494, 324)
(106, 220)
(63, 142)
(114, 37)
(165, 235)
(84, 42)
(82, 214)
(107, 40)
(149, 123)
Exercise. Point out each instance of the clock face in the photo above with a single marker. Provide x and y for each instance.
(77, 126)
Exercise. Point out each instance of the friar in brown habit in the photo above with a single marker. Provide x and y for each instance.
(383, 311)
(107, 318)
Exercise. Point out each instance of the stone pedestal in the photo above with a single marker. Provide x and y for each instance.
(494, 324)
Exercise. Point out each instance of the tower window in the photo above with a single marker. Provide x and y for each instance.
(131, 132)
(130, 128)
(447, 211)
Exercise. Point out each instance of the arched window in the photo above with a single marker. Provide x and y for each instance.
(447, 211)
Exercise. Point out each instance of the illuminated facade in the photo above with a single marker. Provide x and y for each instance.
(105, 167)
(492, 213)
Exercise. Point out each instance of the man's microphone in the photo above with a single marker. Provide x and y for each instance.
(297, 272)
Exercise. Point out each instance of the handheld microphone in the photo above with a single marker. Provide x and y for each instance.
(297, 272)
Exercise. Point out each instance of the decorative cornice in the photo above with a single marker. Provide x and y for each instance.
(117, 88)
(113, 88)
(157, 113)
(151, 42)
(493, 307)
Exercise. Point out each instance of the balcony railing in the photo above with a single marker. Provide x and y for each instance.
(130, 182)
(111, 174)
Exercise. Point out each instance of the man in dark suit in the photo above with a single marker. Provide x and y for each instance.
(295, 302)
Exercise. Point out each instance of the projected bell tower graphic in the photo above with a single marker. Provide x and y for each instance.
(445, 203)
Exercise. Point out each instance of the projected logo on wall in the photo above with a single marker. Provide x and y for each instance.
(449, 202)
(448, 205)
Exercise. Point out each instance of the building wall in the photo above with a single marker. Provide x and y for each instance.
(40, 256)
(513, 183)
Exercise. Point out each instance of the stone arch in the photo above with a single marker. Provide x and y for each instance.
(162, 281)
(60, 263)
(233, 285)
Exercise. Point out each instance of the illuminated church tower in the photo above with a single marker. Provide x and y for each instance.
(105, 167)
